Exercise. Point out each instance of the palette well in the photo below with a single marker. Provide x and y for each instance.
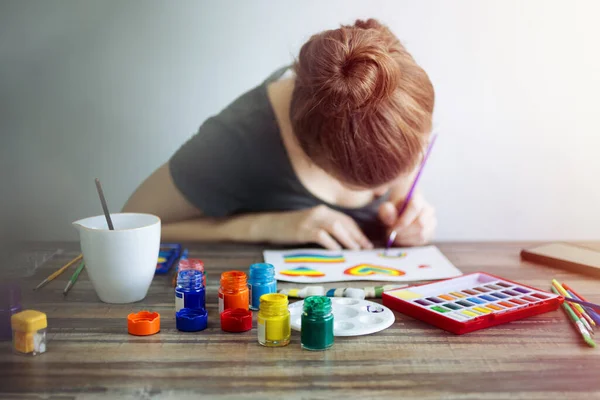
(351, 317)
(471, 302)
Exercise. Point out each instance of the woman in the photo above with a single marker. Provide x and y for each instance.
(321, 153)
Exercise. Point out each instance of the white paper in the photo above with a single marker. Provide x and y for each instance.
(397, 265)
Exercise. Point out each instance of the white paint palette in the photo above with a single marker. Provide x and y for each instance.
(351, 317)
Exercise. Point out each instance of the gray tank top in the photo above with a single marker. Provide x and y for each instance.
(237, 163)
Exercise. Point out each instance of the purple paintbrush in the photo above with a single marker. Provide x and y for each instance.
(593, 306)
(411, 191)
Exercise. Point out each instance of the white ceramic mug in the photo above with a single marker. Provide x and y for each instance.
(121, 262)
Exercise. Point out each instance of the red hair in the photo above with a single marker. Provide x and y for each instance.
(361, 107)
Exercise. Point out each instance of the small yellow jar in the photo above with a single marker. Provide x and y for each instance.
(29, 332)
(274, 327)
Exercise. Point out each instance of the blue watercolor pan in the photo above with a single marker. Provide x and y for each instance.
(475, 300)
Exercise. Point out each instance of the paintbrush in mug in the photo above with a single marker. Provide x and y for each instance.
(393, 234)
(104, 205)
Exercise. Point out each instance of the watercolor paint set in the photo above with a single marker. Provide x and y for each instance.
(471, 302)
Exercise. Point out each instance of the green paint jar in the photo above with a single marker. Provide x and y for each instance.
(316, 330)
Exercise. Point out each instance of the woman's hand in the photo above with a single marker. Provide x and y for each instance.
(415, 227)
(322, 225)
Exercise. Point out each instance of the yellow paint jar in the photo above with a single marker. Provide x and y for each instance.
(273, 320)
(29, 332)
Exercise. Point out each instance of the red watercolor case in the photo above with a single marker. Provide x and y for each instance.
(471, 302)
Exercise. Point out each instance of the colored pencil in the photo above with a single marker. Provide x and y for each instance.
(582, 303)
(393, 234)
(576, 321)
(584, 320)
(74, 278)
(58, 272)
(591, 311)
(576, 307)
(104, 205)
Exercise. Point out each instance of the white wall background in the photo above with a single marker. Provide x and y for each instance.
(111, 89)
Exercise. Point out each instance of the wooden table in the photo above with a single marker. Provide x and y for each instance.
(90, 353)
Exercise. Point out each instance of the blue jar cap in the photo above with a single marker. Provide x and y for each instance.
(191, 319)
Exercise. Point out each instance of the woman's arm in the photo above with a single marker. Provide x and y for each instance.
(181, 221)
(158, 195)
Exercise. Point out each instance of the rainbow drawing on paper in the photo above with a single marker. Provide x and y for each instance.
(303, 271)
(402, 264)
(396, 255)
(313, 258)
(368, 269)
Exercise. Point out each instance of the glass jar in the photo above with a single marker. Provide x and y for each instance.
(316, 328)
(261, 280)
(273, 320)
(29, 332)
(233, 292)
(190, 292)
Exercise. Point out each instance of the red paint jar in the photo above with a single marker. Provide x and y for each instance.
(233, 292)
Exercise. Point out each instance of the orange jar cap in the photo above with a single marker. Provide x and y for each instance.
(143, 323)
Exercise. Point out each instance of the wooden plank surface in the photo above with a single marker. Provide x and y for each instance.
(90, 354)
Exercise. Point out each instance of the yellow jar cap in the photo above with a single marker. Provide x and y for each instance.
(28, 321)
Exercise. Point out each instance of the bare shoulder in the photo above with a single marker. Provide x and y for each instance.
(158, 195)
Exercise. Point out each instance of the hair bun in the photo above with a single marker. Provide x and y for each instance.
(361, 101)
(351, 68)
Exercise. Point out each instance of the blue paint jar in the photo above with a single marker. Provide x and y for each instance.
(261, 280)
(190, 292)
